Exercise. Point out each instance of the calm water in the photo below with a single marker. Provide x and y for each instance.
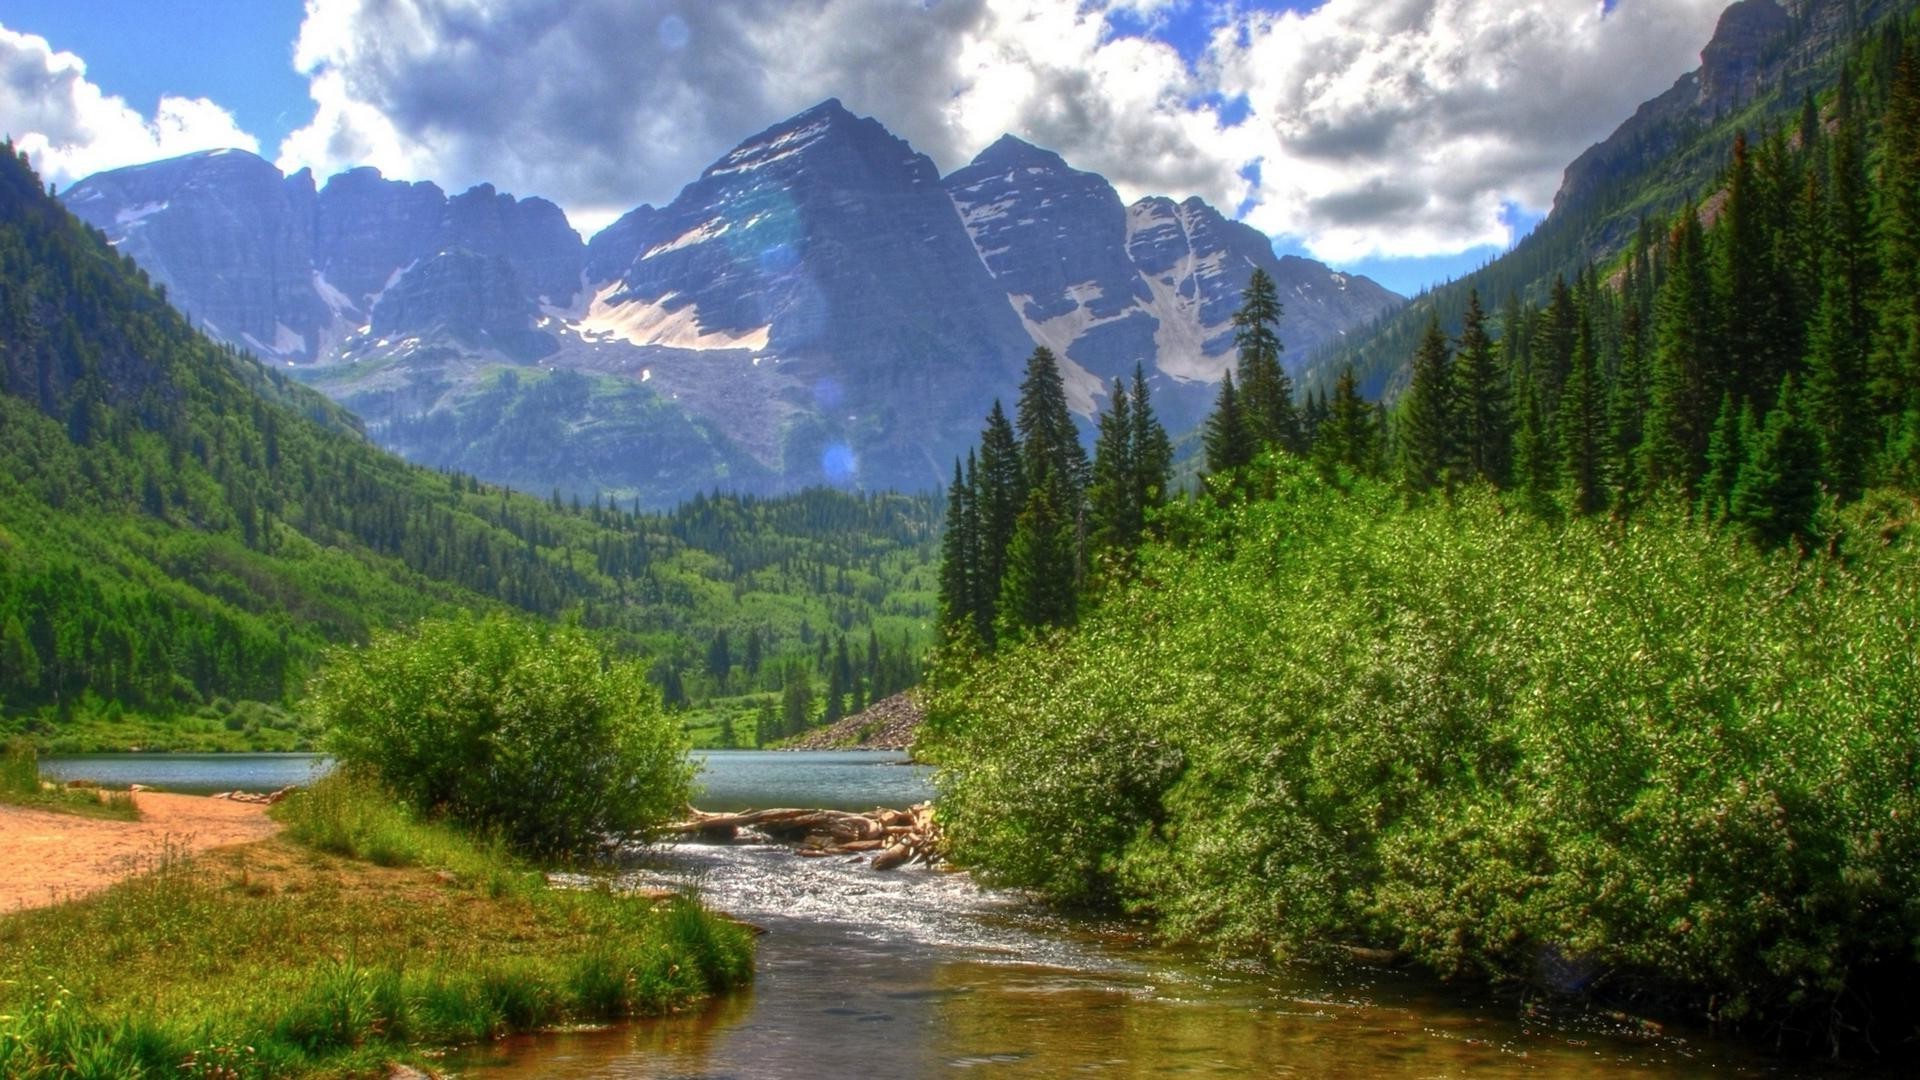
(818, 779)
(192, 774)
(732, 780)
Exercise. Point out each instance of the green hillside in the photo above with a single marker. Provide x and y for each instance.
(183, 532)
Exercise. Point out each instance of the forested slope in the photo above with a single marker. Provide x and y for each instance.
(184, 529)
(1674, 151)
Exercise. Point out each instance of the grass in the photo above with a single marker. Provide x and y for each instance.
(20, 785)
(358, 937)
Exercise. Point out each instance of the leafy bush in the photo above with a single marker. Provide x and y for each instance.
(1583, 754)
(506, 727)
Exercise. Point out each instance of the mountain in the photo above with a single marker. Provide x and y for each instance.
(183, 528)
(1764, 58)
(819, 306)
(1105, 285)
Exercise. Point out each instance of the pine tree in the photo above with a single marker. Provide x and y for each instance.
(1583, 424)
(1266, 394)
(1743, 286)
(1348, 438)
(1486, 411)
(1152, 451)
(1627, 405)
(1039, 590)
(1839, 388)
(1428, 449)
(1535, 465)
(1896, 363)
(1228, 443)
(1050, 450)
(1113, 511)
(766, 727)
(720, 658)
(1778, 493)
(1559, 328)
(1726, 456)
(796, 701)
(1000, 491)
(959, 558)
(1686, 370)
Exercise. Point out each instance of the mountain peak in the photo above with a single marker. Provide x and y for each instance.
(1011, 151)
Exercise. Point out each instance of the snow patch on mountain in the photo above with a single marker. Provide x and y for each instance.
(699, 234)
(655, 322)
(134, 215)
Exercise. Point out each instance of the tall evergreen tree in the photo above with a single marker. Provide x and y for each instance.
(1349, 437)
(1583, 424)
(1113, 509)
(1778, 493)
(1839, 388)
(1039, 590)
(1536, 467)
(1897, 359)
(1152, 450)
(1000, 492)
(1627, 404)
(959, 558)
(1050, 450)
(1686, 370)
(1726, 456)
(796, 701)
(1428, 446)
(1486, 417)
(1743, 286)
(1228, 442)
(1553, 353)
(1266, 394)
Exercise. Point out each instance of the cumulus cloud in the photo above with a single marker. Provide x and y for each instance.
(1375, 127)
(70, 128)
(1402, 127)
(601, 104)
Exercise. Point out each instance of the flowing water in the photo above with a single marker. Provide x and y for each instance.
(919, 973)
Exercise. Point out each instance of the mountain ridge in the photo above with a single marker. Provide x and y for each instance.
(813, 308)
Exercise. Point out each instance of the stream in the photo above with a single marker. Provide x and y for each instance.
(920, 973)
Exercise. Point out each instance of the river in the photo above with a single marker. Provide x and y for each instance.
(919, 973)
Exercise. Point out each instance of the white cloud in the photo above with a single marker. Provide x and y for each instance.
(602, 104)
(69, 128)
(1401, 127)
(1389, 127)
(1380, 127)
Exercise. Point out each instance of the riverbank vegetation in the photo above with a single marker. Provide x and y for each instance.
(362, 935)
(523, 732)
(21, 785)
(1598, 756)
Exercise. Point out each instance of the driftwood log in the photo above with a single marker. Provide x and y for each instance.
(896, 837)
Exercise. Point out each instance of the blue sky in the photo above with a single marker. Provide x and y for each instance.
(1408, 141)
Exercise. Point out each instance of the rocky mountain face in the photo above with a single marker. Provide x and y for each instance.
(819, 306)
(1106, 286)
(1759, 46)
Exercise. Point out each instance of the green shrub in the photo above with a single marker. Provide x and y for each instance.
(1566, 753)
(507, 727)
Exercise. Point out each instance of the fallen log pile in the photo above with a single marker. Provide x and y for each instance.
(895, 837)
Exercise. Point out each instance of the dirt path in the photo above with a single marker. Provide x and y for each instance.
(47, 857)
